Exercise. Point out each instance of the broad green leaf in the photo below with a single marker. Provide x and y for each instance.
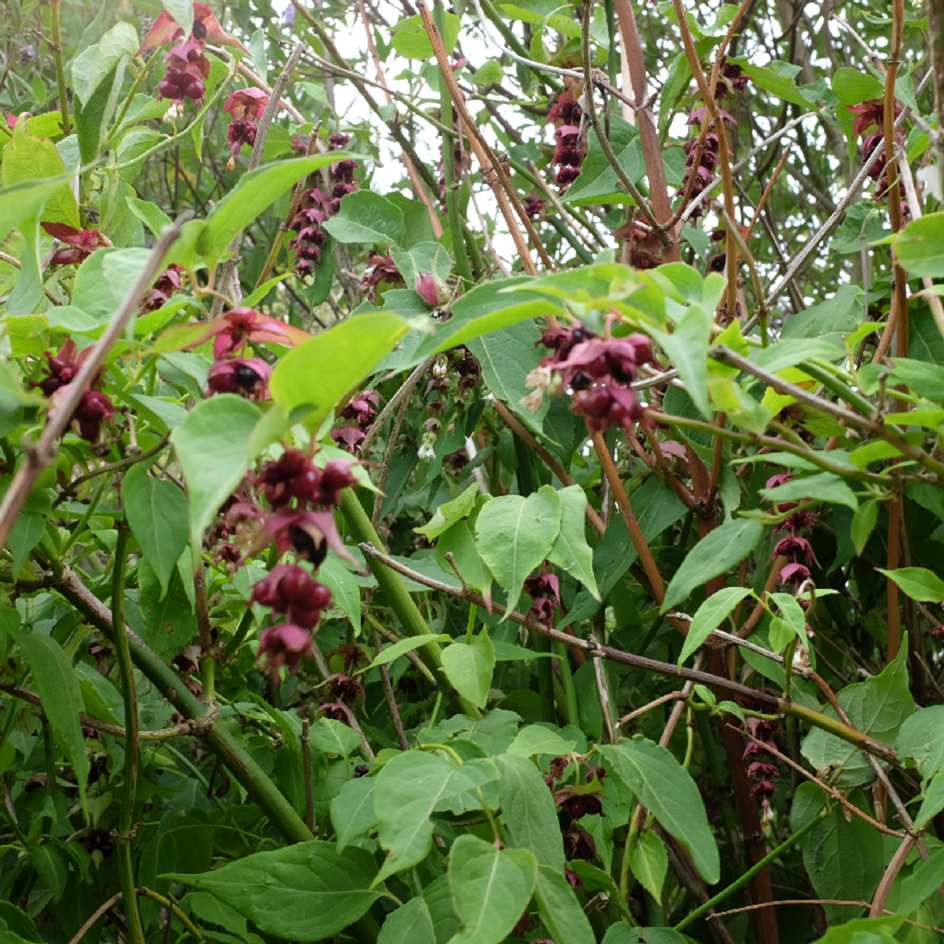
(91, 67)
(854, 85)
(777, 78)
(305, 892)
(920, 739)
(411, 923)
(830, 320)
(824, 486)
(598, 182)
(352, 810)
(649, 862)
(410, 40)
(333, 737)
(842, 855)
(408, 789)
(921, 883)
(425, 257)
(318, 373)
(559, 908)
(24, 201)
(345, 589)
(528, 811)
(460, 544)
(933, 801)
(666, 789)
(490, 889)
(392, 653)
(168, 623)
(687, 348)
(151, 215)
(157, 514)
(254, 193)
(27, 160)
(102, 280)
(927, 380)
(92, 118)
(469, 667)
(919, 247)
(792, 351)
(709, 616)
(570, 551)
(623, 933)
(182, 12)
(515, 534)
(716, 553)
(863, 524)
(864, 931)
(366, 217)
(58, 689)
(877, 707)
(793, 615)
(537, 739)
(448, 513)
(212, 446)
(919, 583)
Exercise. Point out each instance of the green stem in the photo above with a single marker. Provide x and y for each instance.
(124, 851)
(742, 880)
(60, 69)
(175, 909)
(219, 736)
(411, 619)
(571, 712)
(833, 383)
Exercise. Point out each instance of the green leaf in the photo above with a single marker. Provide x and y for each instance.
(150, 214)
(489, 73)
(411, 923)
(863, 931)
(391, 653)
(469, 667)
(876, 707)
(58, 689)
(345, 590)
(459, 542)
(410, 40)
(863, 524)
(352, 810)
(623, 933)
(919, 583)
(912, 889)
(318, 373)
(792, 351)
(824, 486)
(919, 739)
(709, 616)
(102, 280)
(157, 514)
(515, 534)
(26, 161)
(537, 739)
(305, 892)
(333, 737)
(366, 217)
(529, 815)
(927, 380)
(776, 78)
(91, 67)
(448, 513)
(842, 855)
(687, 348)
(598, 182)
(254, 193)
(560, 909)
(666, 789)
(408, 789)
(649, 862)
(92, 118)
(212, 446)
(716, 553)
(919, 247)
(570, 551)
(490, 889)
(853, 85)
(168, 623)
(933, 801)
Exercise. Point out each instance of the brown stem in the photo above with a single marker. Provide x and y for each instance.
(890, 874)
(394, 708)
(893, 629)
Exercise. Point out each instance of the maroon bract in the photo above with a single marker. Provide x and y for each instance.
(382, 273)
(247, 377)
(238, 327)
(292, 476)
(94, 408)
(81, 242)
(285, 645)
(429, 289)
(292, 590)
(309, 534)
(246, 107)
(167, 283)
(62, 368)
(569, 153)
(565, 110)
(544, 590)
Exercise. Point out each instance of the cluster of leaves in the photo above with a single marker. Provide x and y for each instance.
(628, 616)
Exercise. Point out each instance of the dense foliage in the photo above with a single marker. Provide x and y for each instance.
(471, 473)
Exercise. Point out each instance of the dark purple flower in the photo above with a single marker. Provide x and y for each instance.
(285, 645)
(246, 377)
(290, 589)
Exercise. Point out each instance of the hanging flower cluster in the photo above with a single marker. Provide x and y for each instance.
(453, 376)
(596, 372)
(80, 243)
(569, 151)
(703, 151)
(869, 126)
(382, 273)
(301, 500)
(316, 206)
(359, 412)
(760, 770)
(796, 549)
(574, 800)
(544, 589)
(245, 107)
(94, 408)
(168, 282)
(187, 65)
